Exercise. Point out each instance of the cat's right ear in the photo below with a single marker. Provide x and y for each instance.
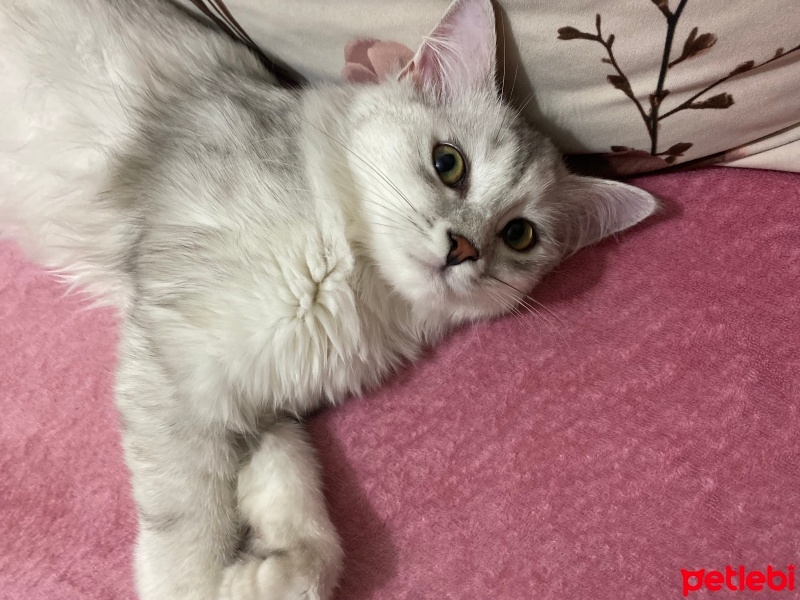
(591, 209)
(459, 56)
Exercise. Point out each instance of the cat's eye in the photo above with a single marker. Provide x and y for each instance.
(449, 164)
(519, 235)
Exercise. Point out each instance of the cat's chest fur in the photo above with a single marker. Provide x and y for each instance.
(266, 318)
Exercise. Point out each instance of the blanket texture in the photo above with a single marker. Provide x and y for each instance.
(647, 420)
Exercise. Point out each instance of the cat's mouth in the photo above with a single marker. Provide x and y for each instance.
(428, 265)
(460, 279)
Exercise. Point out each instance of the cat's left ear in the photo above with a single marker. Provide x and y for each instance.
(459, 55)
(592, 209)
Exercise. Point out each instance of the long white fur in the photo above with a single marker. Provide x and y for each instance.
(269, 252)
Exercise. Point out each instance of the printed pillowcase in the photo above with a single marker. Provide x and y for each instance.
(624, 86)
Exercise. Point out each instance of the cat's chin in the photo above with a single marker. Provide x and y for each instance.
(450, 297)
(438, 293)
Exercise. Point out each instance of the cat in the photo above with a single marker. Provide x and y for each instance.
(270, 252)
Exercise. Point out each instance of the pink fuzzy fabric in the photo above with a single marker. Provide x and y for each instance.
(649, 421)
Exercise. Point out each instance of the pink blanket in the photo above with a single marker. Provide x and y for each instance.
(647, 421)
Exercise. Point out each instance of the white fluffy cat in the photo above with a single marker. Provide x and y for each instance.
(270, 251)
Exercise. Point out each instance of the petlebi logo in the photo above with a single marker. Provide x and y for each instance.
(738, 579)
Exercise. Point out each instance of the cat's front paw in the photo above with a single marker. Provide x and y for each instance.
(303, 573)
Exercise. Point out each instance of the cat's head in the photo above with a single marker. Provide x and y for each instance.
(466, 206)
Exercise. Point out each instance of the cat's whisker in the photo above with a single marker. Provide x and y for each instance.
(521, 299)
(550, 324)
(386, 204)
(503, 42)
(504, 304)
(471, 339)
(392, 190)
(476, 334)
(376, 213)
(514, 83)
(526, 299)
(530, 308)
(400, 226)
(387, 219)
(382, 220)
(372, 167)
(524, 104)
(510, 306)
(513, 307)
(510, 94)
(404, 216)
(530, 298)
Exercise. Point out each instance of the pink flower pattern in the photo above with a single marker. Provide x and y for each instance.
(370, 60)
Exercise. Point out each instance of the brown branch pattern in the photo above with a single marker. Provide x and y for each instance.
(658, 97)
(694, 45)
(742, 68)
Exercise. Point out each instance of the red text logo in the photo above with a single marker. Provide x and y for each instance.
(738, 580)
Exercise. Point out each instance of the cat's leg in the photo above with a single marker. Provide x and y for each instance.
(294, 550)
(187, 519)
(184, 482)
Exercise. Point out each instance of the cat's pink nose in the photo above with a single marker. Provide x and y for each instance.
(461, 249)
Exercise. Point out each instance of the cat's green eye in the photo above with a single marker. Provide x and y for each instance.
(449, 164)
(519, 235)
